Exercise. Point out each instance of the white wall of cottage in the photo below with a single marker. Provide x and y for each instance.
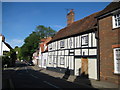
(65, 57)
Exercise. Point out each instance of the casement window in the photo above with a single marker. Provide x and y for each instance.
(70, 42)
(54, 59)
(117, 60)
(84, 40)
(50, 59)
(62, 60)
(116, 20)
(50, 47)
(62, 44)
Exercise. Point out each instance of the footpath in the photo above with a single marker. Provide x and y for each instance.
(81, 81)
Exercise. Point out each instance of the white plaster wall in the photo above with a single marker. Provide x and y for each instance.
(71, 62)
(92, 68)
(94, 40)
(77, 66)
(77, 51)
(92, 51)
(44, 60)
(90, 41)
(4, 47)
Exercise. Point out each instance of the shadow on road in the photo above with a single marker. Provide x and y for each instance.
(30, 78)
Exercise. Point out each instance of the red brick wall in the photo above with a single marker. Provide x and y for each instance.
(108, 37)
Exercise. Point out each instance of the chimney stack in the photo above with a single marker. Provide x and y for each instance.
(70, 17)
(3, 38)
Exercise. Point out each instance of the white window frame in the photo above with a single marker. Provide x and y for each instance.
(62, 44)
(116, 20)
(116, 60)
(85, 40)
(62, 60)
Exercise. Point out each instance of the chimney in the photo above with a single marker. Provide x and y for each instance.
(3, 38)
(70, 17)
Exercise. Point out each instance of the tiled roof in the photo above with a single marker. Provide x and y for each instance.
(77, 27)
(111, 7)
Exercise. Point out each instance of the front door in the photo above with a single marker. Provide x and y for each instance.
(84, 67)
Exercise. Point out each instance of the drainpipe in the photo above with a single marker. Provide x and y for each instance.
(98, 53)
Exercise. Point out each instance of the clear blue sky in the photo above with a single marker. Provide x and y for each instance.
(21, 18)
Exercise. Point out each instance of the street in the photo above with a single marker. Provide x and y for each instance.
(24, 76)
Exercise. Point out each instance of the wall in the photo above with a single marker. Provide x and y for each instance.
(108, 37)
(63, 57)
(5, 48)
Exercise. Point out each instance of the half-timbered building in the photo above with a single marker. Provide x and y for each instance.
(75, 47)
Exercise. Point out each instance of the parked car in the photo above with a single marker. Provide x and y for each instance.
(30, 63)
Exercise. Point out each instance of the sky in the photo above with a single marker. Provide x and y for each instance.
(19, 19)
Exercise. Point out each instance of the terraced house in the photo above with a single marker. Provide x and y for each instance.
(109, 42)
(75, 47)
(89, 46)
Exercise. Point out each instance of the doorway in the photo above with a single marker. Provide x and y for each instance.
(84, 67)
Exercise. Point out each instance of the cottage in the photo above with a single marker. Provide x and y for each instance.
(43, 52)
(4, 47)
(109, 43)
(75, 47)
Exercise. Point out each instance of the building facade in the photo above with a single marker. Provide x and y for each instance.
(4, 47)
(43, 52)
(75, 47)
(109, 42)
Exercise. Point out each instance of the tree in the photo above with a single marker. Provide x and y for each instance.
(32, 41)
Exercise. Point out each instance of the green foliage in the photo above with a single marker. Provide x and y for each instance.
(9, 58)
(32, 41)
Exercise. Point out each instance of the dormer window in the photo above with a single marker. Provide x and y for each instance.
(116, 20)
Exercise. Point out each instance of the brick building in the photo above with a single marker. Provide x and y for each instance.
(109, 42)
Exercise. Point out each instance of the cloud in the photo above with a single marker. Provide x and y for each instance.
(15, 42)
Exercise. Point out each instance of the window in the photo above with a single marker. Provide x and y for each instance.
(62, 44)
(117, 60)
(70, 42)
(50, 47)
(116, 20)
(54, 60)
(50, 59)
(84, 40)
(62, 60)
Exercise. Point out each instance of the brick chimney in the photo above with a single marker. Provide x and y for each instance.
(70, 17)
(3, 38)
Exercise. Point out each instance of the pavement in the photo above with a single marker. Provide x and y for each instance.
(81, 81)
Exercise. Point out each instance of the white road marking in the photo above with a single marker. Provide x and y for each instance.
(34, 76)
(50, 84)
(26, 69)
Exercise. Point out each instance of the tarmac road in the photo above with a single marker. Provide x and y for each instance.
(24, 76)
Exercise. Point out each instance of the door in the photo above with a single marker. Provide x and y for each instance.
(84, 67)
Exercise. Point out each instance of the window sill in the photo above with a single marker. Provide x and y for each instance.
(115, 28)
(117, 74)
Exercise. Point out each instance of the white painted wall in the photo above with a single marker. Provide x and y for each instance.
(77, 66)
(92, 68)
(4, 47)
(44, 59)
